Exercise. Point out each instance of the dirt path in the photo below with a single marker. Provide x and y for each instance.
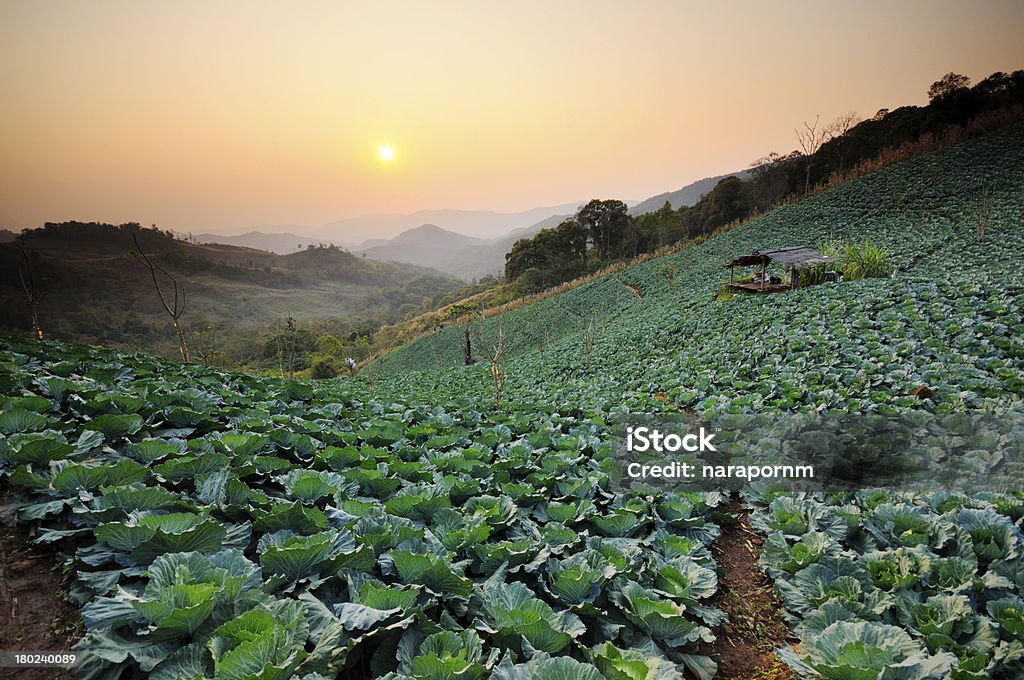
(747, 642)
(33, 616)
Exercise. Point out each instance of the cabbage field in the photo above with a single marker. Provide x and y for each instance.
(223, 525)
(929, 584)
(229, 526)
(950, 319)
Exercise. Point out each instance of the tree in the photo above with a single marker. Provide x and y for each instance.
(286, 344)
(524, 255)
(495, 353)
(589, 333)
(837, 133)
(983, 212)
(809, 139)
(725, 203)
(606, 223)
(204, 342)
(572, 237)
(174, 310)
(550, 257)
(947, 85)
(769, 181)
(32, 294)
(467, 348)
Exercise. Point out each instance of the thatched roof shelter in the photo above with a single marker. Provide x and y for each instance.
(793, 258)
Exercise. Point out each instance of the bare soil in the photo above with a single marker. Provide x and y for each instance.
(745, 645)
(33, 614)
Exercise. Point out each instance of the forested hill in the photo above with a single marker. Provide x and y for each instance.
(94, 290)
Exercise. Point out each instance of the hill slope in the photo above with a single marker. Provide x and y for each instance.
(96, 292)
(427, 246)
(875, 339)
(439, 498)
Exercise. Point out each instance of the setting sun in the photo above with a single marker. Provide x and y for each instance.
(386, 153)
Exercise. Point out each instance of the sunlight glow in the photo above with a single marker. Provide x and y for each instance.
(386, 153)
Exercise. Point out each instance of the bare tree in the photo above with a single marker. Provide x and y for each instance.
(285, 340)
(983, 212)
(841, 125)
(204, 342)
(279, 342)
(467, 347)
(32, 294)
(497, 358)
(495, 354)
(369, 377)
(838, 131)
(174, 310)
(589, 333)
(810, 139)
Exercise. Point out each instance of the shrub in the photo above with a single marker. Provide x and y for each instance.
(323, 368)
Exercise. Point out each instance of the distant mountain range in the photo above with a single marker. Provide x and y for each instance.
(484, 224)
(432, 238)
(447, 251)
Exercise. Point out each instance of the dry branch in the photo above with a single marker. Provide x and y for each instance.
(174, 310)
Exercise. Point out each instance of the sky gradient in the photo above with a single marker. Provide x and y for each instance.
(201, 117)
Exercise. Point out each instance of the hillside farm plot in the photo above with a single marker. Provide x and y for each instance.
(950, 318)
(871, 582)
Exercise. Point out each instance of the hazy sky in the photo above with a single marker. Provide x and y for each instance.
(223, 116)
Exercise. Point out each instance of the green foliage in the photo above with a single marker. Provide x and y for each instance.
(249, 527)
(931, 563)
(867, 650)
(323, 368)
(863, 261)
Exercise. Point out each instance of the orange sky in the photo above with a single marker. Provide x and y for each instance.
(199, 116)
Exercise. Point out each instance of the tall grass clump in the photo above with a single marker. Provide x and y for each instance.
(854, 260)
(864, 261)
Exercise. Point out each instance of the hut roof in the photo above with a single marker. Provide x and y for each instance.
(797, 257)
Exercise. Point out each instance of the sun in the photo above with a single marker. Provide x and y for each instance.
(386, 153)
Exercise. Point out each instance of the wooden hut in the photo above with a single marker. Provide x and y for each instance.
(793, 258)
